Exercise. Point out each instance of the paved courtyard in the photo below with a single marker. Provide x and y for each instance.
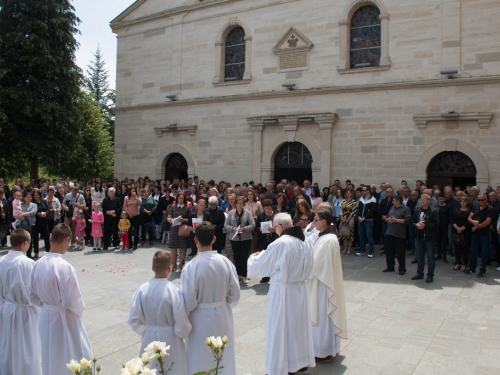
(396, 326)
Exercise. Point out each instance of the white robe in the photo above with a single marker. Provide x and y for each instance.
(62, 333)
(158, 314)
(326, 292)
(289, 262)
(19, 338)
(210, 288)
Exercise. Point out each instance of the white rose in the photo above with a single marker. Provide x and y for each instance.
(157, 347)
(145, 358)
(224, 339)
(74, 366)
(218, 343)
(125, 372)
(85, 364)
(148, 371)
(134, 366)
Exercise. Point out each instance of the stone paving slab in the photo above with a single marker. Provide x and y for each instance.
(396, 326)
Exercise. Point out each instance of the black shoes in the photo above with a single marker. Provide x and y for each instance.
(468, 271)
(417, 277)
(382, 253)
(388, 270)
(414, 261)
(480, 274)
(429, 279)
(437, 257)
(264, 280)
(401, 273)
(445, 260)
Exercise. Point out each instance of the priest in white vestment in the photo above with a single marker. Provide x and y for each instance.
(289, 262)
(326, 291)
(210, 287)
(158, 314)
(54, 283)
(19, 338)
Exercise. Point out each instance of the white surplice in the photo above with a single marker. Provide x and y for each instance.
(210, 288)
(289, 262)
(19, 338)
(62, 333)
(158, 314)
(326, 292)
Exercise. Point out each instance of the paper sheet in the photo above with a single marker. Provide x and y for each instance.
(177, 221)
(196, 221)
(236, 233)
(265, 225)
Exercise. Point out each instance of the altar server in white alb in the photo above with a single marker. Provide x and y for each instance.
(54, 283)
(158, 314)
(19, 338)
(326, 291)
(289, 263)
(210, 288)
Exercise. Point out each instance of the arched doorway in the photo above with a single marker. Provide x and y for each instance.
(176, 167)
(451, 168)
(293, 161)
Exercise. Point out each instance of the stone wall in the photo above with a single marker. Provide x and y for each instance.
(375, 138)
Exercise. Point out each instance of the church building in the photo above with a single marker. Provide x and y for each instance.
(367, 90)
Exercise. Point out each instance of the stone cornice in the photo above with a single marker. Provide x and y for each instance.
(483, 119)
(320, 91)
(190, 129)
(117, 22)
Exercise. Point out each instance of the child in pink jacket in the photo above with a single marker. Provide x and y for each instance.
(79, 229)
(97, 220)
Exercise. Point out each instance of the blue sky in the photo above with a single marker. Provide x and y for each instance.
(95, 16)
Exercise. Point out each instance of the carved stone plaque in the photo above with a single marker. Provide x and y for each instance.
(293, 61)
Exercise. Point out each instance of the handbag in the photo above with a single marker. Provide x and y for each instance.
(458, 239)
(345, 231)
(184, 231)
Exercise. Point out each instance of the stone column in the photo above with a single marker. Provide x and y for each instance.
(325, 125)
(257, 126)
(218, 62)
(248, 57)
(177, 35)
(342, 63)
(385, 59)
(450, 35)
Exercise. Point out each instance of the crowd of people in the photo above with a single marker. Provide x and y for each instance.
(424, 220)
(285, 234)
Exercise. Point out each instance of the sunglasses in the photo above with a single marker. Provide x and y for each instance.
(481, 200)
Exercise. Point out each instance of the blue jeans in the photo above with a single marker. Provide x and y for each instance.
(482, 242)
(425, 247)
(384, 236)
(411, 232)
(366, 228)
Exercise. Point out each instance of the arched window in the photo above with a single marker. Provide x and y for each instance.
(234, 55)
(366, 44)
(364, 37)
(293, 161)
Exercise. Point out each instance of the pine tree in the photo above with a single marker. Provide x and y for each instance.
(93, 154)
(97, 84)
(40, 83)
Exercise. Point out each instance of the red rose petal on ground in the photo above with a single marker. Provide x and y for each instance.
(83, 270)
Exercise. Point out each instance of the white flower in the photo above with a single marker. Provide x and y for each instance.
(145, 358)
(218, 343)
(157, 348)
(85, 364)
(134, 366)
(148, 371)
(125, 372)
(224, 339)
(74, 366)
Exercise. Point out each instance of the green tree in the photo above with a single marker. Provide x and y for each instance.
(92, 156)
(97, 83)
(40, 83)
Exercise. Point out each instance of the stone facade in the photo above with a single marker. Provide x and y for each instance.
(370, 125)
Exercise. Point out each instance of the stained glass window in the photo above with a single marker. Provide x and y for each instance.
(176, 161)
(365, 36)
(234, 57)
(453, 163)
(293, 154)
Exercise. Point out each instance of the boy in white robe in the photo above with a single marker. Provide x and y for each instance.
(326, 291)
(158, 314)
(19, 338)
(210, 288)
(289, 262)
(54, 283)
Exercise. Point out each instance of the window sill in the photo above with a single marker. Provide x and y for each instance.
(364, 70)
(231, 83)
